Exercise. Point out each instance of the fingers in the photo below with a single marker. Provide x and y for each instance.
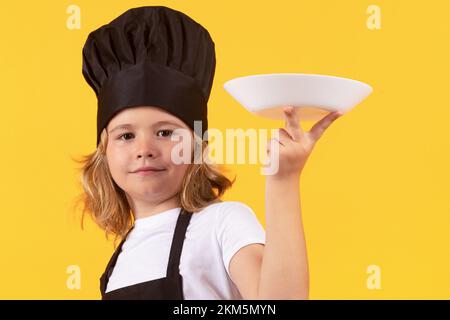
(319, 128)
(292, 123)
(284, 136)
(281, 137)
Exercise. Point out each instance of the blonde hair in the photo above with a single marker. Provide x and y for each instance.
(107, 204)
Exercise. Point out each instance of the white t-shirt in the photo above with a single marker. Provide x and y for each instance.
(213, 236)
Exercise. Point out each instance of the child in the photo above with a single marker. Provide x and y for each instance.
(152, 70)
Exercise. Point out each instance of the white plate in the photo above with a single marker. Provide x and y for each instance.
(315, 95)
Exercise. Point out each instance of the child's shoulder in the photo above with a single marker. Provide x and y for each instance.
(233, 219)
(223, 205)
(228, 208)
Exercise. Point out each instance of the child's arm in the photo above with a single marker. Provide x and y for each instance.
(284, 268)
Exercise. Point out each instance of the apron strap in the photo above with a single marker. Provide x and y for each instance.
(173, 268)
(109, 268)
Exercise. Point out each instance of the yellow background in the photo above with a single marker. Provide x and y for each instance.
(375, 191)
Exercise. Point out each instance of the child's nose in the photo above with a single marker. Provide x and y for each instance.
(147, 147)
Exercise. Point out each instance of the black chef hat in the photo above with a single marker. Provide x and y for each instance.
(154, 56)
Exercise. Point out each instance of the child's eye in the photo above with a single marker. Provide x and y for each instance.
(125, 134)
(168, 132)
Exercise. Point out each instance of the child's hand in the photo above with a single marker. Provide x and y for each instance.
(295, 145)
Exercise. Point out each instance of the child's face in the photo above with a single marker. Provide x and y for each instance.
(147, 142)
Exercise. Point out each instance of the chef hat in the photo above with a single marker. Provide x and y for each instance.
(153, 56)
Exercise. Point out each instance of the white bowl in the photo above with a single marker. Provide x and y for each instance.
(315, 95)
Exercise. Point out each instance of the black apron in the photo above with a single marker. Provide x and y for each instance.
(168, 288)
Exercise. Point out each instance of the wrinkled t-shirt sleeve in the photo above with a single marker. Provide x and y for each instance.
(237, 226)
